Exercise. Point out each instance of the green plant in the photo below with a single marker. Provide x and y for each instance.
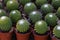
(29, 7)
(46, 8)
(2, 12)
(22, 25)
(56, 3)
(41, 27)
(0, 5)
(58, 12)
(56, 31)
(12, 5)
(35, 16)
(40, 2)
(51, 19)
(15, 15)
(5, 23)
(23, 2)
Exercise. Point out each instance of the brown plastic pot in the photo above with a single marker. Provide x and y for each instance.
(40, 37)
(6, 36)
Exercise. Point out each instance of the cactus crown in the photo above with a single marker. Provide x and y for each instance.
(22, 25)
(41, 27)
(56, 31)
(5, 23)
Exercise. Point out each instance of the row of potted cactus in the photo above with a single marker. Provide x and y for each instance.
(44, 21)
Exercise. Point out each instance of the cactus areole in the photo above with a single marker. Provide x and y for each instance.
(22, 26)
(41, 27)
(5, 23)
(56, 31)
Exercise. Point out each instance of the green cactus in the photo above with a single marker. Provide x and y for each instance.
(2, 12)
(41, 27)
(5, 23)
(46, 8)
(58, 12)
(22, 25)
(23, 2)
(35, 16)
(12, 5)
(15, 15)
(56, 31)
(29, 7)
(51, 19)
(56, 3)
(40, 2)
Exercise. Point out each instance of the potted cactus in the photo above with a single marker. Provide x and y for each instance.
(23, 2)
(56, 3)
(46, 8)
(22, 30)
(40, 2)
(58, 13)
(40, 30)
(56, 33)
(2, 12)
(35, 16)
(5, 28)
(15, 15)
(29, 7)
(51, 19)
(12, 5)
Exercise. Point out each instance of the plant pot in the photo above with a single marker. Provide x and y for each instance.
(6, 35)
(40, 37)
(21, 36)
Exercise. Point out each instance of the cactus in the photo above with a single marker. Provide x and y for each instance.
(15, 15)
(56, 3)
(23, 2)
(12, 5)
(46, 8)
(5, 23)
(40, 2)
(56, 31)
(29, 7)
(51, 19)
(41, 27)
(35, 16)
(58, 12)
(22, 25)
(2, 12)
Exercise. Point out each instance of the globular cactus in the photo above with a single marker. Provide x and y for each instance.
(22, 25)
(56, 31)
(51, 19)
(15, 15)
(41, 27)
(35, 16)
(5, 23)
(29, 7)
(2, 12)
(23, 2)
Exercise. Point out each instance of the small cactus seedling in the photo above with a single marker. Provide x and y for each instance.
(56, 3)
(5, 23)
(58, 12)
(35, 16)
(46, 8)
(2, 13)
(12, 5)
(56, 31)
(15, 15)
(29, 7)
(51, 19)
(40, 2)
(41, 27)
(22, 25)
(23, 2)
